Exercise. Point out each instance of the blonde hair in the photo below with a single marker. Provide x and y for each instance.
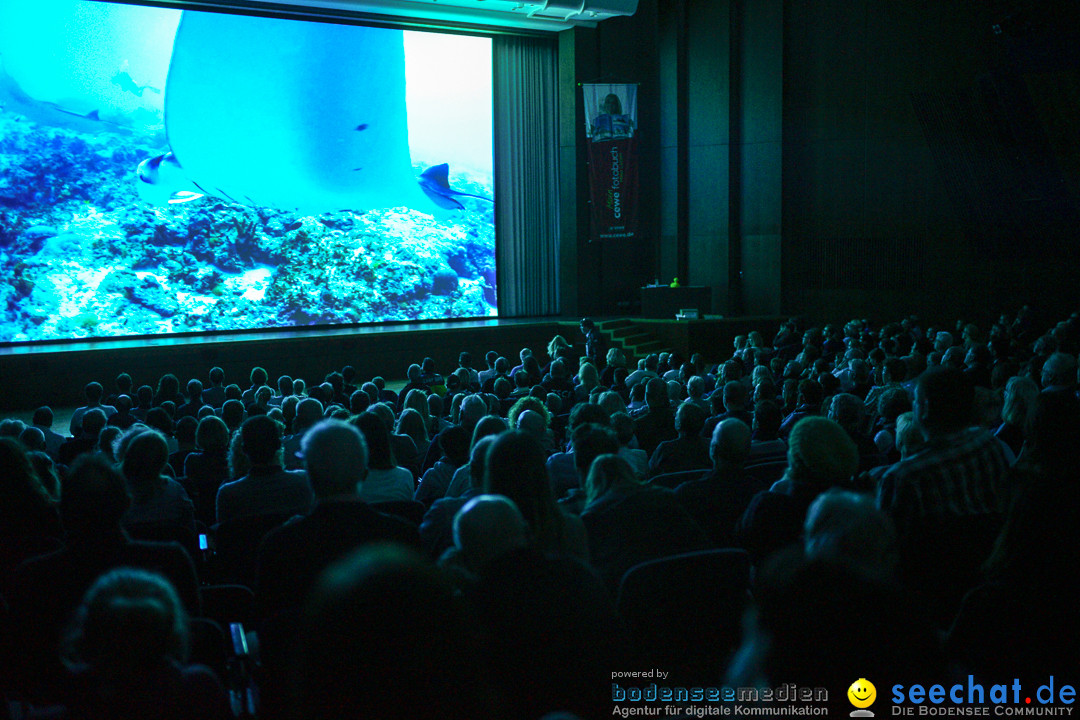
(908, 436)
(1020, 395)
(588, 376)
(609, 472)
(557, 343)
(612, 402)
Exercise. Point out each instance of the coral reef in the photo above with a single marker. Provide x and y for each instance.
(84, 257)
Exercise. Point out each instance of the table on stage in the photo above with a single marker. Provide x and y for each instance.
(665, 302)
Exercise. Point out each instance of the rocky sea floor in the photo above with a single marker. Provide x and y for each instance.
(82, 256)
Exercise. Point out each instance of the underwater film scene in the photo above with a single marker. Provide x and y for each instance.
(169, 171)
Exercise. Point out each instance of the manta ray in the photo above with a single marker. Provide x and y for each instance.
(301, 116)
(14, 99)
(436, 185)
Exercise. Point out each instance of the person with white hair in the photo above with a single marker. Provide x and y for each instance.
(615, 358)
(695, 393)
(292, 557)
(943, 340)
(1059, 373)
(717, 500)
(820, 456)
(846, 526)
(488, 527)
(472, 409)
(676, 392)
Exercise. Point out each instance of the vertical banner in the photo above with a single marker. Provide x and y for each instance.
(611, 132)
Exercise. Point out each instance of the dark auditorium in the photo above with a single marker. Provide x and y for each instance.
(539, 359)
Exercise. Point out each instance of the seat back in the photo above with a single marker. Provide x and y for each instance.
(227, 604)
(411, 510)
(237, 547)
(684, 612)
(941, 559)
(166, 531)
(673, 480)
(767, 472)
(208, 645)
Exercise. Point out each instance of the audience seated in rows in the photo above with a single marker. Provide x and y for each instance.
(44, 591)
(931, 508)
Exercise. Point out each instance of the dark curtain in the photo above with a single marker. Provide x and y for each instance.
(527, 189)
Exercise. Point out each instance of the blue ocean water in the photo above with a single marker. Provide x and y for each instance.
(306, 206)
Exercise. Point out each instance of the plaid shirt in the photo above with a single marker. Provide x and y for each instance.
(958, 475)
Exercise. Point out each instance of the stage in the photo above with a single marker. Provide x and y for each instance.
(55, 373)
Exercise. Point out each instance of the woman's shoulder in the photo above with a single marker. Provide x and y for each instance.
(389, 474)
(575, 537)
(174, 490)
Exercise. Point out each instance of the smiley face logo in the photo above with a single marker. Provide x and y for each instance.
(862, 693)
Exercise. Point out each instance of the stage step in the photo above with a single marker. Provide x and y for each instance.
(649, 348)
(634, 338)
(613, 325)
(628, 334)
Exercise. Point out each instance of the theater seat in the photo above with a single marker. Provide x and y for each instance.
(941, 559)
(411, 510)
(209, 645)
(166, 532)
(237, 545)
(227, 603)
(684, 612)
(767, 472)
(673, 480)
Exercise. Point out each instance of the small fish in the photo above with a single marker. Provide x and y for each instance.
(127, 84)
(362, 126)
(435, 183)
(162, 181)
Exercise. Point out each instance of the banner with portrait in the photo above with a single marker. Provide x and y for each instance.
(611, 136)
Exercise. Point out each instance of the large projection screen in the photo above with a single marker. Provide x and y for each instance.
(166, 171)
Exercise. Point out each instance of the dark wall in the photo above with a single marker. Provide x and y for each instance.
(868, 222)
(56, 375)
(836, 158)
(710, 131)
(916, 175)
(602, 278)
